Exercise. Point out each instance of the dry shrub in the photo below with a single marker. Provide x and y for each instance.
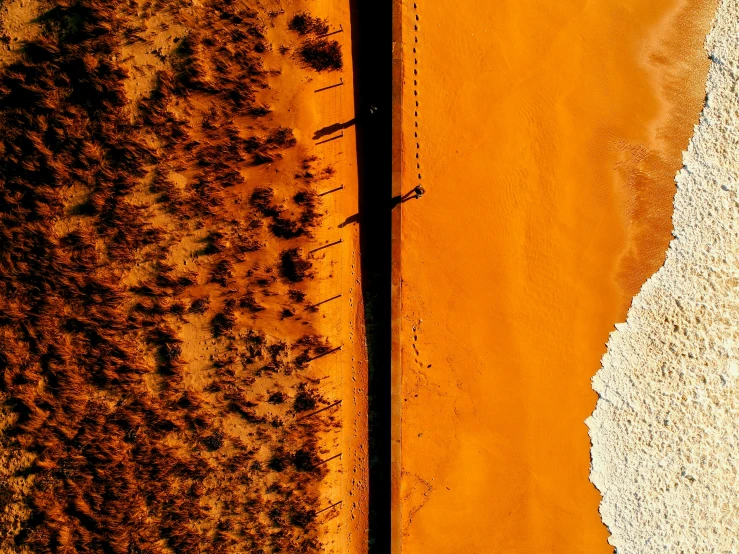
(221, 272)
(293, 266)
(106, 477)
(261, 199)
(284, 226)
(303, 517)
(276, 398)
(249, 302)
(296, 295)
(223, 322)
(311, 346)
(306, 399)
(214, 441)
(321, 55)
(262, 157)
(282, 137)
(259, 110)
(199, 305)
(306, 459)
(287, 227)
(215, 243)
(305, 24)
(306, 198)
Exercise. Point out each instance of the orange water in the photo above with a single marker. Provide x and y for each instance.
(549, 133)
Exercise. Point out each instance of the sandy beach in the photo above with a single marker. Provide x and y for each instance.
(547, 137)
(218, 334)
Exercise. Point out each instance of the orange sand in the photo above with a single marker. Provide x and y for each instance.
(549, 133)
(343, 375)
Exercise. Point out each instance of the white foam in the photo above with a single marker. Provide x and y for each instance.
(665, 431)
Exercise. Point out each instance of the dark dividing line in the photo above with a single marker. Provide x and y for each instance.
(329, 507)
(321, 410)
(339, 30)
(326, 246)
(329, 459)
(324, 301)
(375, 86)
(332, 138)
(326, 353)
(330, 191)
(386, 526)
(341, 82)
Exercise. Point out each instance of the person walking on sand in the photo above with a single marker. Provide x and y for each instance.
(416, 192)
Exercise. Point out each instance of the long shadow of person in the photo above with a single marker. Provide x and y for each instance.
(333, 128)
(349, 220)
(417, 192)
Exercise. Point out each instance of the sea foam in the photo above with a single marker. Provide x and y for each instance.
(665, 431)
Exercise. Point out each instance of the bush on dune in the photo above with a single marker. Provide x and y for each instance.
(305, 24)
(321, 55)
(109, 352)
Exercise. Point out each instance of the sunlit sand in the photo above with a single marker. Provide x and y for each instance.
(547, 136)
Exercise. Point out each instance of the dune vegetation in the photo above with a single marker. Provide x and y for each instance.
(144, 408)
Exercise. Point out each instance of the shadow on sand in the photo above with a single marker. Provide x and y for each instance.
(407, 196)
(325, 131)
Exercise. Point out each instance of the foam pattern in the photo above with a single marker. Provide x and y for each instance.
(665, 431)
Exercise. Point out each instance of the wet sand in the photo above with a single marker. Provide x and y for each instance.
(548, 140)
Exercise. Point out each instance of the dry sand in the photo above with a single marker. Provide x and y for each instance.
(546, 136)
(665, 431)
(211, 460)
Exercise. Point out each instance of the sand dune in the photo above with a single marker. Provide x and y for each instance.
(180, 340)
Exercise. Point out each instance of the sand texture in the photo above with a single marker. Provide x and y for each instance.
(547, 136)
(181, 350)
(665, 431)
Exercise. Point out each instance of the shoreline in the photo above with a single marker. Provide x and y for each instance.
(545, 141)
(667, 382)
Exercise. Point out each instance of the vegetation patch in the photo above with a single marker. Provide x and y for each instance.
(321, 55)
